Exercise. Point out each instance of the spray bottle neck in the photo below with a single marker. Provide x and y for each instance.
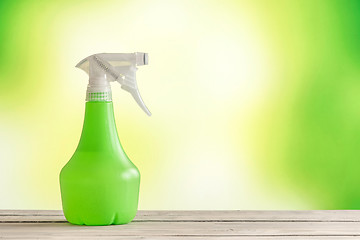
(99, 131)
(98, 90)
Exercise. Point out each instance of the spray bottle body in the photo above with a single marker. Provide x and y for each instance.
(99, 185)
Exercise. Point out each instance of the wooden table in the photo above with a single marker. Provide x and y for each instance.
(229, 225)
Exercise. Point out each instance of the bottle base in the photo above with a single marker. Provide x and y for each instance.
(115, 220)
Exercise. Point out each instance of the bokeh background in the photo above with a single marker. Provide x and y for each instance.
(256, 104)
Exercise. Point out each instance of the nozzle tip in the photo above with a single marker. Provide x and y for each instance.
(142, 59)
(146, 59)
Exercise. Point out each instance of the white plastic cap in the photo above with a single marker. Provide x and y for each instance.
(104, 68)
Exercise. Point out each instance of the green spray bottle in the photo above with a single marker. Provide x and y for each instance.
(100, 185)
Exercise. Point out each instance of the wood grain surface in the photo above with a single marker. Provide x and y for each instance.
(266, 225)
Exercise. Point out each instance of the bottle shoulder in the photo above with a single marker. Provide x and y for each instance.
(95, 162)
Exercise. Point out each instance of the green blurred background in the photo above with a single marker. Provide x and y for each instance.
(256, 104)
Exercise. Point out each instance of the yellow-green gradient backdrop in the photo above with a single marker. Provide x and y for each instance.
(256, 104)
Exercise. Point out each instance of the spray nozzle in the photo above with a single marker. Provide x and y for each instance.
(103, 68)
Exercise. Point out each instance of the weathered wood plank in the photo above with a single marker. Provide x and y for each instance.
(33, 219)
(191, 229)
(6, 212)
(194, 237)
(196, 216)
(240, 215)
(266, 225)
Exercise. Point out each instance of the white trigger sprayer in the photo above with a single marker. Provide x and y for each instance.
(104, 68)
